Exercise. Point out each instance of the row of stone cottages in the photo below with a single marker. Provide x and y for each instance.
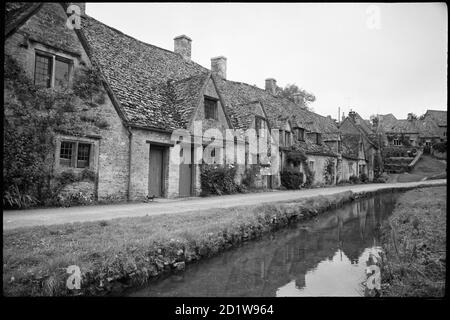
(148, 93)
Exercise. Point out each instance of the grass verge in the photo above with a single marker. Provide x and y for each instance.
(116, 254)
(128, 252)
(414, 240)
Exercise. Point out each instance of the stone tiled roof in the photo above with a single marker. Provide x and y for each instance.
(140, 77)
(17, 12)
(425, 128)
(439, 116)
(237, 95)
(312, 148)
(364, 125)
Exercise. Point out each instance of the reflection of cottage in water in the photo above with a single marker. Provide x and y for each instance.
(286, 259)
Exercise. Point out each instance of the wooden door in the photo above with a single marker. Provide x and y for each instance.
(155, 183)
(185, 189)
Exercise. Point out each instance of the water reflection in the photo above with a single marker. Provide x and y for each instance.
(326, 257)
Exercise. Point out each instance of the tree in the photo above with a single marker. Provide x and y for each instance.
(290, 91)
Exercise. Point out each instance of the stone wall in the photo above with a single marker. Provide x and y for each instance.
(46, 31)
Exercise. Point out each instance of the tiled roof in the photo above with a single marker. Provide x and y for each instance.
(16, 12)
(425, 128)
(439, 116)
(139, 75)
(364, 125)
(237, 95)
(308, 147)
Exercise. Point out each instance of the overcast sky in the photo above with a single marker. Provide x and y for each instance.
(341, 53)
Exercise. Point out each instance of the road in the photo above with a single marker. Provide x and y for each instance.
(34, 217)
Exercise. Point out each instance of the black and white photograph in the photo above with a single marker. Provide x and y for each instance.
(223, 150)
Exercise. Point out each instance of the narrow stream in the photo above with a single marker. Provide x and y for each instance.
(323, 257)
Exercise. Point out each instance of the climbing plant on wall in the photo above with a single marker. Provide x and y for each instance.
(33, 118)
(298, 156)
(328, 171)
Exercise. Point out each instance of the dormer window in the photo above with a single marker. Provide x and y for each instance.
(51, 71)
(211, 108)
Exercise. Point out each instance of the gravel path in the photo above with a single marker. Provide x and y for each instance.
(35, 217)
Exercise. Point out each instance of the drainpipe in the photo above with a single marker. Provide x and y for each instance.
(130, 134)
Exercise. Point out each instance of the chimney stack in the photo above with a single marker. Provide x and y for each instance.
(182, 46)
(271, 85)
(219, 66)
(352, 115)
(410, 117)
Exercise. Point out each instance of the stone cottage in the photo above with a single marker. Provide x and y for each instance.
(148, 93)
(160, 111)
(354, 124)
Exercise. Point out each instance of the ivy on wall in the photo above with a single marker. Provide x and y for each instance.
(34, 116)
(328, 171)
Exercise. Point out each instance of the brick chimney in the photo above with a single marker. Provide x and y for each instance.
(81, 5)
(219, 66)
(271, 85)
(182, 46)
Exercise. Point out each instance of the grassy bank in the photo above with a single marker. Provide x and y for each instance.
(414, 240)
(128, 252)
(119, 253)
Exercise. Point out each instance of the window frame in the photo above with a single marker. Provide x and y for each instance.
(287, 138)
(52, 66)
(216, 107)
(74, 160)
(300, 133)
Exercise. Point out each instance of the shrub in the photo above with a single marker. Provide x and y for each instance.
(382, 178)
(88, 174)
(75, 198)
(296, 157)
(218, 179)
(354, 179)
(250, 175)
(14, 199)
(440, 147)
(363, 177)
(291, 178)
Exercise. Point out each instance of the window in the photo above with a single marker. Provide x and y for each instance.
(318, 138)
(281, 142)
(287, 139)
(62, 69)
(350, 168)
(445, 133)
(396, 142)
(210, 108)
(43, 71)
(311, 165)
(300, 134)
(75, 154)
(51, 71)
